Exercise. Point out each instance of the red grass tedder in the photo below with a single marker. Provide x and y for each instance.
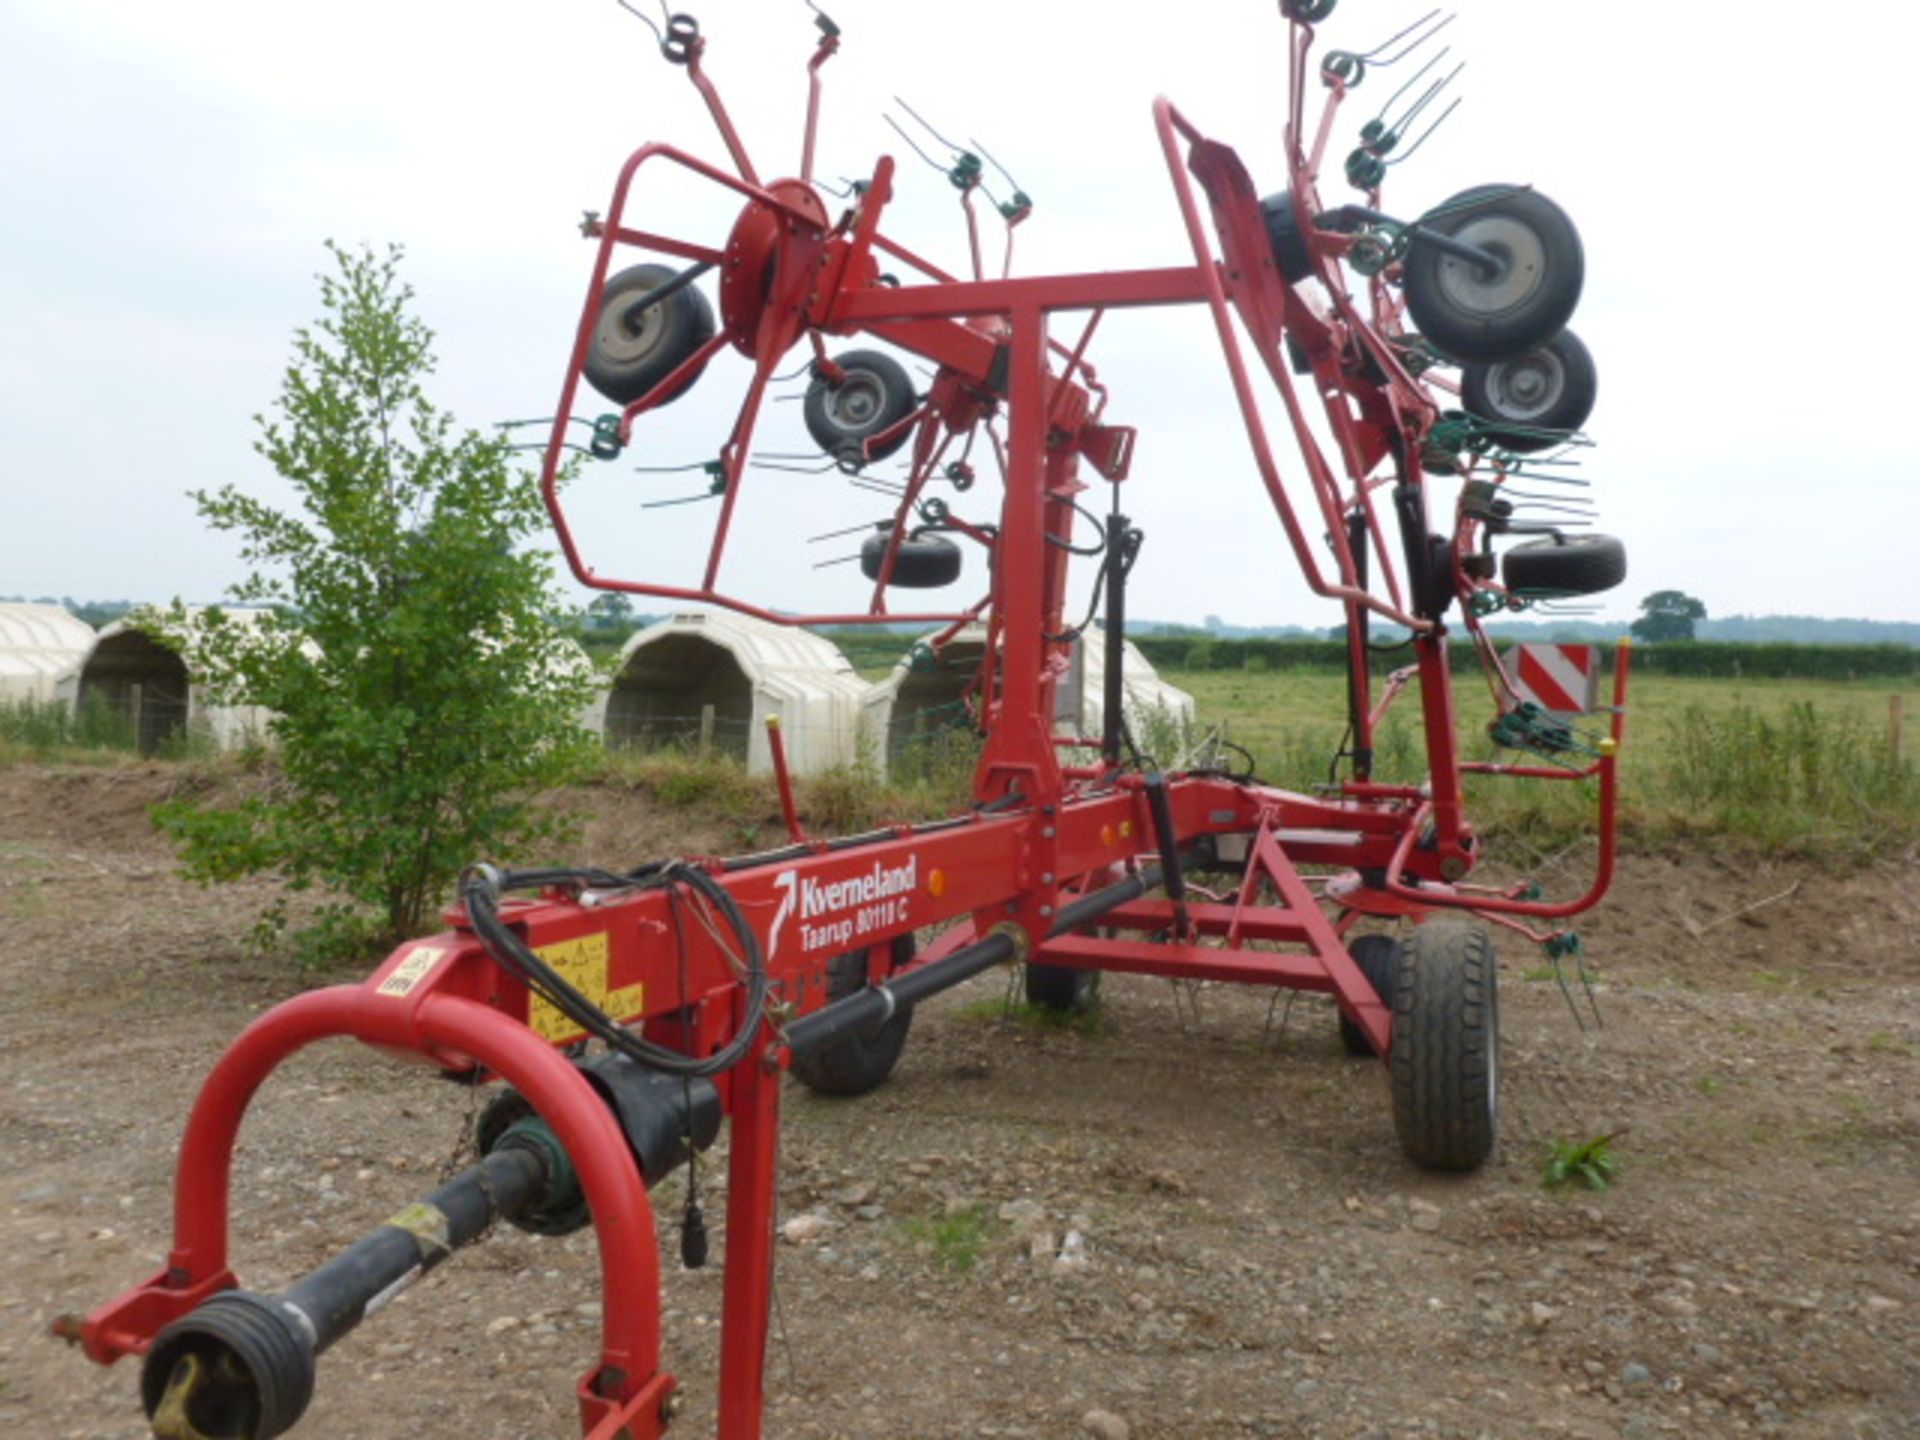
(702, 980)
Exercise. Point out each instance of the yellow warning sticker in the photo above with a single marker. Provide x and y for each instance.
(412, 970)
(582, 964)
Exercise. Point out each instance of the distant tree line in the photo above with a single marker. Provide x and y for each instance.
(1699, 657)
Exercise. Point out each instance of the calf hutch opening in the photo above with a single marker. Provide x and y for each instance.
(709, 683)
(143, 682)
(140, 681)
(928, 707)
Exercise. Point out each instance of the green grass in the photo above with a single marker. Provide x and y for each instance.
(1795, 766)
(1590, 1163)
(93, 734)
(1091, 1020)
(956, 1238)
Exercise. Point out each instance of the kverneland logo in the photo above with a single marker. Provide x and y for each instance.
(818, 898)
(814, 899)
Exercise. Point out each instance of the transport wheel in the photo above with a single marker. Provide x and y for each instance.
(1474, 313)
(1378, 957)
(876, 395)
(1548, 388)
(635, 348)
(1445, 1060)
(1564, 565)
(924, 562)
(1062, 988)
(860, 1062)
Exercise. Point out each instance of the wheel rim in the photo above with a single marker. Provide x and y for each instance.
(628, 341)
(1527, 386)
(1521, 269)
(857, 403)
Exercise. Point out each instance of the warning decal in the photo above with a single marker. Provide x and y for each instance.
(582, 964)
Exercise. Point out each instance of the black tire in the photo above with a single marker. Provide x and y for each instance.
(1445, 1059)
(1290, 250)
(1378, 957)
(631, 353)
(1564, 565)
(860, 1062)
(1063, 988)
(1539, 393)
(876, 395)
(1473, 315)
(925, 562)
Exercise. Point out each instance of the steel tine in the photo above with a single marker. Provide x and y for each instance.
(838, 534)
(1373, 56)
(1411, 81)
(1586, 983)
(928, 128)
(1399, 127)
(900, 130)
(1427, 135)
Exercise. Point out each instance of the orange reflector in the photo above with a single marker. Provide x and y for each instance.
(936, 883)
(1107, 837)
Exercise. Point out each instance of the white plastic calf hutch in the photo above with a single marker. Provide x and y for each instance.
(926, 699)
(711, 680)
(132, 673)
(40, 645)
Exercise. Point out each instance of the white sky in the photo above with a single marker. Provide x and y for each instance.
(1741, 174)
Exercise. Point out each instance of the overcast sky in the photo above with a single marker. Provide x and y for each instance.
(1741, 174)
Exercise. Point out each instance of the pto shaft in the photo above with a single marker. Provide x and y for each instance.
(241, 1367)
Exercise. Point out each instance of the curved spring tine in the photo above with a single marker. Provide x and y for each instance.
(913, 144)
(1414, 149)
(1399, 127)
(926, 127)
(658, 34)
(1411, 81)
(1373, 56)
(840, 534)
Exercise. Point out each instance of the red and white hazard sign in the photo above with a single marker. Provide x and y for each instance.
(1562, 678)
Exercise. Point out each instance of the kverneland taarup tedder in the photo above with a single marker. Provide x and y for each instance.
(622, 1015)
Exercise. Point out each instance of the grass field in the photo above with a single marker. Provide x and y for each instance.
(1794, 766)
(1797, 765)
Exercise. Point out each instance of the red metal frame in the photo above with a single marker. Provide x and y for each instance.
(1041, 832)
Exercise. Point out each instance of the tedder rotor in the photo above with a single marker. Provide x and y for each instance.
(622, 1015)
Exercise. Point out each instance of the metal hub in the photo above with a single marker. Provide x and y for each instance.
(857, 402)
(1527, 386)
(1521, 266)
(625, 337)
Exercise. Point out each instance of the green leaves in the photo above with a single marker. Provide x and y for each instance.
(420, 695)
(1590, 1163)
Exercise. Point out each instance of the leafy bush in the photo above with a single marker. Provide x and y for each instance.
(418, 694)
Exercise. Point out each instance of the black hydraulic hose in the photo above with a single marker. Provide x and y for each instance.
(1116, 637)
(1169, 842)
(1358, 643)
(873, 1007)
(481, 890)
(242, 1365)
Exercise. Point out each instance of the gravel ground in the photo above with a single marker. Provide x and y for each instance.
(1190, 1219)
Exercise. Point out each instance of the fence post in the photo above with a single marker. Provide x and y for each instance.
(1896, 725)
(706, 730)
